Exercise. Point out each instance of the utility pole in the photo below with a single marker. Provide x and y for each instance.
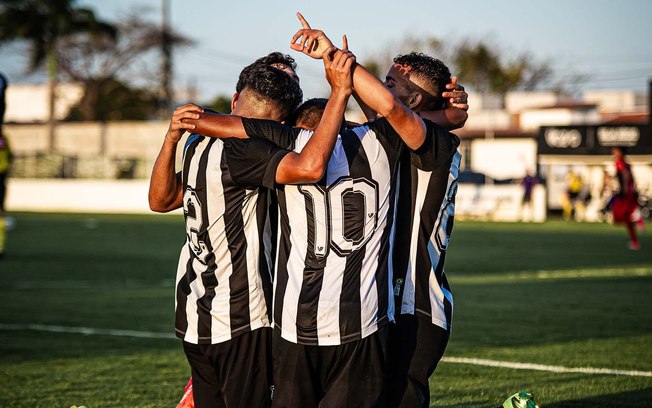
(166, 49)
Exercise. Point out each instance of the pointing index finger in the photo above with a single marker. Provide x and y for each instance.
(345, 43)
(303, 21)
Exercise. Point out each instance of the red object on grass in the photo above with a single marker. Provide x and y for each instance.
(187, 401)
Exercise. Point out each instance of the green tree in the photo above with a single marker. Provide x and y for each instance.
(115, 101)
(221, 104)
(96, 61)
(479, 65)
(43, 23)
(485, 69)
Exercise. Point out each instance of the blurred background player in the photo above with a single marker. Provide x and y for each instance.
(625, 204)
(528, 182)
(572, 206)
(5, 162)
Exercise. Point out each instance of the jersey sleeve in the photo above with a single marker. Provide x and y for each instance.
(277, 133)
(437, 148)
(253, 161)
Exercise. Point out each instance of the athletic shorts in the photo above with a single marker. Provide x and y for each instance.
(349, 375)
(235, 373)
(415, 348)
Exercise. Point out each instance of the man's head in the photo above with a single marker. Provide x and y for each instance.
(274, 59)
(618, 152)
(266, 92)
(309, 113)
(418, 80)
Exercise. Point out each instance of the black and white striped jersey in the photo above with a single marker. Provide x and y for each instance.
(223, 283)
(424, 222)
(333, 270)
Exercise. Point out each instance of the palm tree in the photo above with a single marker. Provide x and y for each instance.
(42, 23)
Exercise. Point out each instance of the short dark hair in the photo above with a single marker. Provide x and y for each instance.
(273, 86)
(309, 113)
(271, 60)
(430, 69)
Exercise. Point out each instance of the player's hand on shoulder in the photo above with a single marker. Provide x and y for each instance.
(177, 126)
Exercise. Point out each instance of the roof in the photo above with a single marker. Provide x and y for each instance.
(628, 119)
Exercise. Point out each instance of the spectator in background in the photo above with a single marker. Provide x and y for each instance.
(5, 161)
(625, 203)
(573, 206)
(528, 182)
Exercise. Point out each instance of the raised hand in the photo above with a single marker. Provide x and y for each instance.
(338, 65)
(457, 97)
(311, 42)
(177, 127)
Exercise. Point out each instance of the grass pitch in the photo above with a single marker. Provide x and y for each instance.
(77, 289)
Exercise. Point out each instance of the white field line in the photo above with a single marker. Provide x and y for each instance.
(559, 274)
(542, 367)
(87, 331)
(458, 360)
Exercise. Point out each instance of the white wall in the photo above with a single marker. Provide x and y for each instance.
(499, 203)
(30, 102)
(504, 158)
(78, 196)
(488, 119)
(533, 119)
(518, 101)
(616, 100)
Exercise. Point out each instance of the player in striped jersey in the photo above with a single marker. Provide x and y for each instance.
(224, 274)
(424, 222)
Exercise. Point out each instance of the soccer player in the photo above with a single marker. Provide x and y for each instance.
(224, 273)
(332, 298)
(5, 163)
(626, 201)
(423, 225)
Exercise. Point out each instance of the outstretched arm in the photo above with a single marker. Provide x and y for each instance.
(371, 91)
(165, 189)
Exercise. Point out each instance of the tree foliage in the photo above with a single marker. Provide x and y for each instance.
(42, 23)
(115, 100)
(99, 63)
(221, 104)
(479, 64)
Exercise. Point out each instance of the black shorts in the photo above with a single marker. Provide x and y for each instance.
(235, 373)
(349, 375)
(415, 347)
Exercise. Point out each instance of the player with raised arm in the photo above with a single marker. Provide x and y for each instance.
(224, 274)
(424, 219)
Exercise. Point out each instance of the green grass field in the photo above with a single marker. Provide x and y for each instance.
(555, 294)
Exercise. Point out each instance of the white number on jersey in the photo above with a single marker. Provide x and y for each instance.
(194, 224)
(329, 215)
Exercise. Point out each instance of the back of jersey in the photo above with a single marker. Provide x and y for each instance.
(224, 275)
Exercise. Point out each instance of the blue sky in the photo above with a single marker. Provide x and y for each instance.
(608, 41)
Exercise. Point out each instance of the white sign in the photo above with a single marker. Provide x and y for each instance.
(563, 138)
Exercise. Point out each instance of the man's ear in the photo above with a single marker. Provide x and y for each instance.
(414, 100)
(234, 100)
